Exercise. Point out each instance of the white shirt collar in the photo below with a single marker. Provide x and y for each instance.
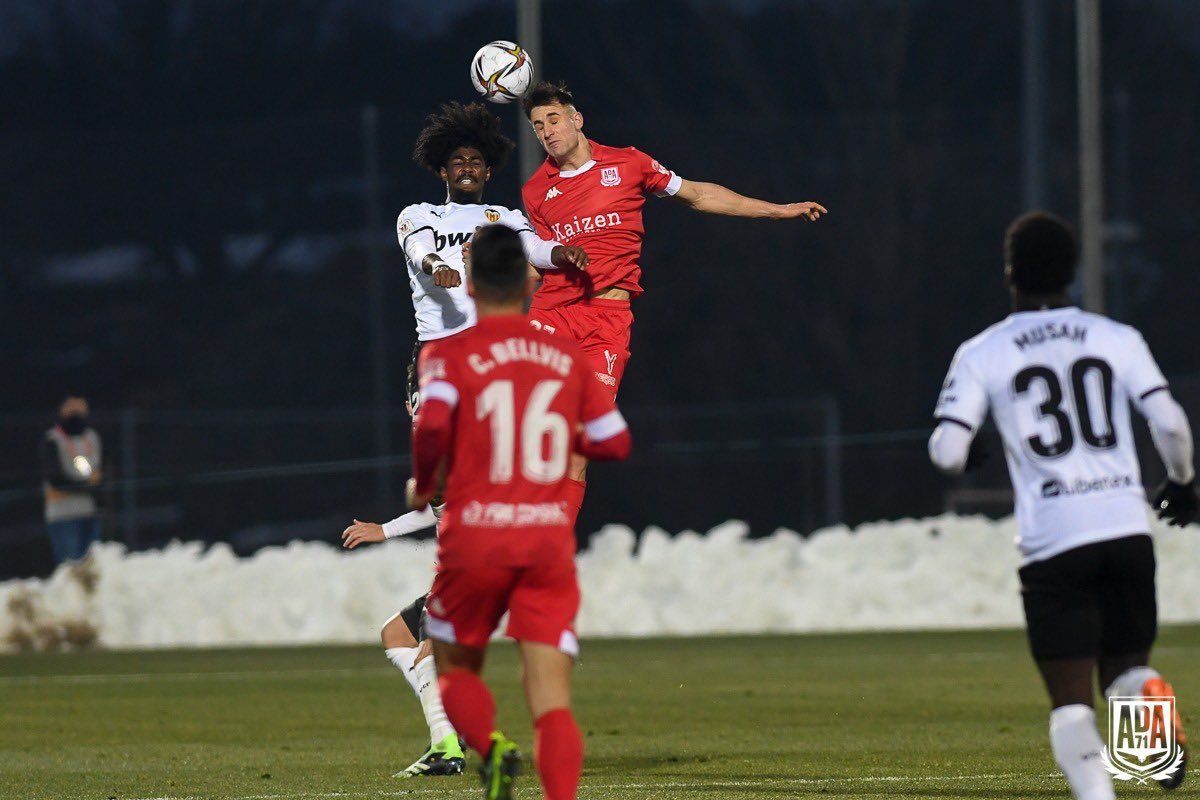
(571, 173)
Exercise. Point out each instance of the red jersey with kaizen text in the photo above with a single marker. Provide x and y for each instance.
(505, 405)
(597, 207)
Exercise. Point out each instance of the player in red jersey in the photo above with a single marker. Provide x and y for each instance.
(504, 407)
(590, 195)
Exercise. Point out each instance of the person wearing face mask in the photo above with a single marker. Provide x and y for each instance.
(71, 476)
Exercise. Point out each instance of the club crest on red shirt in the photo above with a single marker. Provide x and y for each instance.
(610, 176)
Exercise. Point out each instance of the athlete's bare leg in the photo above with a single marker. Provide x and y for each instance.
(412, 658)
(1068, 680)
(395, 633)
(1073, 735)
(470, 705)
(546, 674)
(1113, 666)
(450, 657)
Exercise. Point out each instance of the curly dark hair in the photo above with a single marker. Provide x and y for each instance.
(1040, 252)
(545, 93)
(455, 125)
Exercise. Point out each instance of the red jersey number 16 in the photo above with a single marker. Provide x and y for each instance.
(537, 424)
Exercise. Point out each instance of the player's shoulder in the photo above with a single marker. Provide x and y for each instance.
(540, 177)
(984, 341)
(606, 153)
(504, 211)
(417, 210)
(1118, 330)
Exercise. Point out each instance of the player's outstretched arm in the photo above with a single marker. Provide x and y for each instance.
(712, 198)
(370, 532)
(1175, 500)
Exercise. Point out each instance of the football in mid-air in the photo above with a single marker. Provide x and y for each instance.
(501, 71)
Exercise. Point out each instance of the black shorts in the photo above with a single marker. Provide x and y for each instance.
(413, 386)
(1092, 601)
(414, 618)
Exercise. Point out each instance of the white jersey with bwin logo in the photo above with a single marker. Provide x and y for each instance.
(424, 228)
(1059, 383)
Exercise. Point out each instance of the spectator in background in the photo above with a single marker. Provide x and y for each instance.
(71, 475)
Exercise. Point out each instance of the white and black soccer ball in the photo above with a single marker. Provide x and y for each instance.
(502, 71)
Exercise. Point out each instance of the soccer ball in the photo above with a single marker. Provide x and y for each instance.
(501, 71)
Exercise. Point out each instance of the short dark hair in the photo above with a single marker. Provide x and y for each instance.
(498, 265)
(545, 93)
(455, 125)
(1040, 253)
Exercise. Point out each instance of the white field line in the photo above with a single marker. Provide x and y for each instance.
(147, 677)
(585, 787)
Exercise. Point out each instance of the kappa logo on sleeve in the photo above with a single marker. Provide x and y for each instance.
(659, 167)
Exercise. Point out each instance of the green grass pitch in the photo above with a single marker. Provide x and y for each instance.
(904, 715)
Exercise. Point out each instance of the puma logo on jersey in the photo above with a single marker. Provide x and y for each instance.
(553, 193)
(611, 358)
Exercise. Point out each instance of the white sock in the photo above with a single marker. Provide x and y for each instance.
(1076, 745)
(405, 659)
(431, 701)
(1130, 682)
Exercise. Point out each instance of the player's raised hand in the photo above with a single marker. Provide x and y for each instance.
(446, 276)
(568, 255)
(361, 533)
(809, 211)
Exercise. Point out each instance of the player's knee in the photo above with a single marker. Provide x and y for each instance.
(395, 633)
(451, 657)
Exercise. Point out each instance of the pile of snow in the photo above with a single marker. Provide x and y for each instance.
(945, 572)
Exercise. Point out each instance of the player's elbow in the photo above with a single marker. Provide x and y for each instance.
(1166, 416)
(947, 455)
(616, 448)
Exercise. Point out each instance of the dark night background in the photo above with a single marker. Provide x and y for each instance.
(182, 240)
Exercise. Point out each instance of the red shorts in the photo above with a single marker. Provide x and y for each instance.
(465, 604)
(600, 327)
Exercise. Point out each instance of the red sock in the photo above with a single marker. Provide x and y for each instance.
(470, 707)
(575, 490)
(558, 751)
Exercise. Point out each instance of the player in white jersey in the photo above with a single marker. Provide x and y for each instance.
(1059, 383)
(462, 145)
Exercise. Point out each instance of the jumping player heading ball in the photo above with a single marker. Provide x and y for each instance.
(590, 195)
